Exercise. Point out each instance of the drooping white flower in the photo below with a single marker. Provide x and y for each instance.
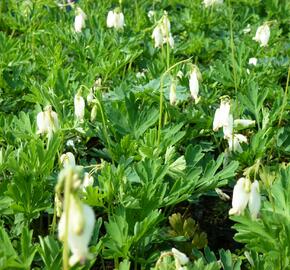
(262, 35)
(110, 19)
(172, 92)
(80, 229)
(194, 78)
(209, 3)
(241, 195)
(80, 20)
(47, 121)
(115, 18)
(68, 159)
(234, 142)
(88, 181)
(157, 36)
(221, 117)
(255, 200)
(79, 104)
(165, 25)
(228, 127)
(181, 257)
(161, 33)
(253, 61)
(243, 123)
(90, 97)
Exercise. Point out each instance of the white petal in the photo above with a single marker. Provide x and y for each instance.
(243, 123)
(119, 20)
(255, 200)
(253, 61)
(262, 35)
(88, 181)
(157, 36)
(78, 243)
(110, 19)
(193, 85)
(228, 126)
(181, 257)
(240, 197)
(79, 104)
(41, 123)
(68, 159)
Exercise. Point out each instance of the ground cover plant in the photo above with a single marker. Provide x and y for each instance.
(144, 134)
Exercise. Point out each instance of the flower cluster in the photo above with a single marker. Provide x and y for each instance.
(161, 33)
(115, 19)
(246, 193)
(224, 119)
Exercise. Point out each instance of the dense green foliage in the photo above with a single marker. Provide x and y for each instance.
(151, 161)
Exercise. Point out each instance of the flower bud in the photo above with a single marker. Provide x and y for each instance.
(172, 93)
(79, 104)
(94, 113)
(195, 76)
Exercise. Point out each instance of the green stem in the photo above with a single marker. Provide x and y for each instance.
(161, 96)
(67, 191)
(232, 44)
(284, 98)
(105, 129)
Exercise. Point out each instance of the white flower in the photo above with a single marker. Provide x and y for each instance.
(80, 19)
(165, 25)
(88, 181)
(208, 3)
(221, 116)
(253, 61)
(241, 194)
(180, 257)
(119, 20)
(228, 127)
(47, 121)
(255, 200)
(157, 36)
(243, 123)
(234, 142)
(79, 104)
(115, 19)
(194, 84)
(90, 97)
(68, 159)
(80, 229)
(262, 35)
(172, 92)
